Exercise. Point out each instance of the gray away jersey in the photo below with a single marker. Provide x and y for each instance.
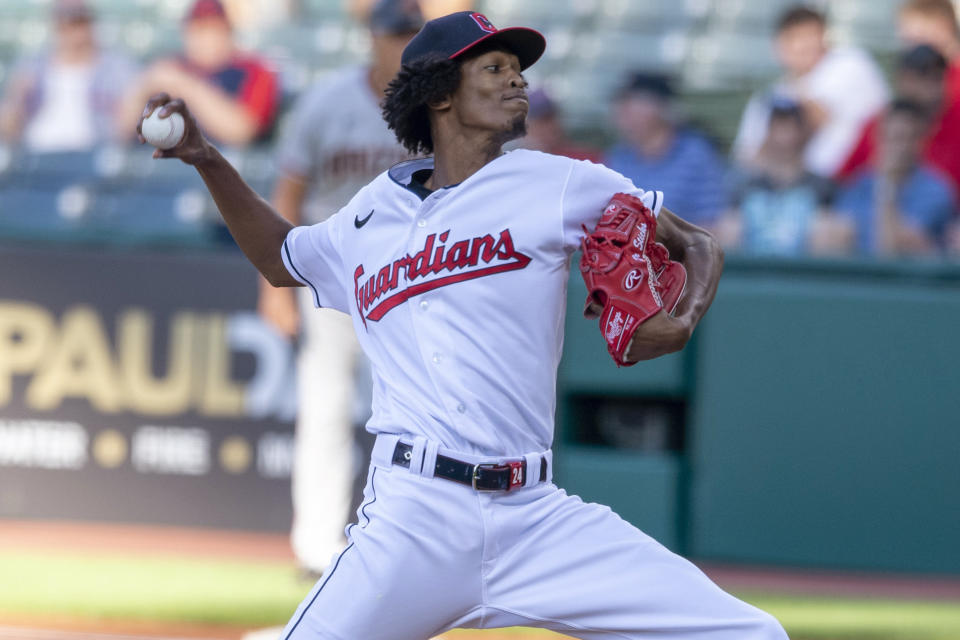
(337, 141)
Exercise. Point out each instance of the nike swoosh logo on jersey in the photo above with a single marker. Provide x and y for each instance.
(357, 222)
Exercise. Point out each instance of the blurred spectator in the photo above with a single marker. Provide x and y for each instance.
(902, 204)
(334, 143)
(953, 239)
(920, 79)
(545, 130)
(234, 96)
(934, 23)
(657, 152)
(65, 98)
(779, 207)
(839, 88)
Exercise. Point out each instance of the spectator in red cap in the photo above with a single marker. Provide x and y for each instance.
(66, 98)
(920, 77)
(234, 96)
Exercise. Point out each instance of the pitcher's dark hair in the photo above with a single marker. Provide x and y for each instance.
(417, 84)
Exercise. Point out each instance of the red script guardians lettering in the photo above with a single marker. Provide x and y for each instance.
(463, 260)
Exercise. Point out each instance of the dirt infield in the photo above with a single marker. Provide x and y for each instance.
(77, 629)
(123, 538)
(26, 628)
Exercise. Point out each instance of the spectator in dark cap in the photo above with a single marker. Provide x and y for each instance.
(334, 142)
(67, 97)
(545, 130)
(934, 22)
(779, 207)
(655, 148)
(233, 95)
(920, 78)
(900, 204)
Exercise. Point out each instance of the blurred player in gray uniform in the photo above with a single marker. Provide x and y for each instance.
(336, 142)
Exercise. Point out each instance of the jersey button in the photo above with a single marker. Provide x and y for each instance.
(423, 305)
(421, 223)
(437, 357)
(462, 408)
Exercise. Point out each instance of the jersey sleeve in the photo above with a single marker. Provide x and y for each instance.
(312, 256)
(588, 189)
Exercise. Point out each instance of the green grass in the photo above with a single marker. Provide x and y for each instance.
(861, 619)
(151, 588)
(244, 593)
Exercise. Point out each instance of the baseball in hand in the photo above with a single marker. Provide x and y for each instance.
(163, 133)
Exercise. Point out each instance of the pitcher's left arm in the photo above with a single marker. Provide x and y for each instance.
(701, 255)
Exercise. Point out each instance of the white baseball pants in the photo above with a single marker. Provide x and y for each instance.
(428, 555)
(323, 466)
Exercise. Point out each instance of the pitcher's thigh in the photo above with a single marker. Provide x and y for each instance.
(405, 573)
(588, 573)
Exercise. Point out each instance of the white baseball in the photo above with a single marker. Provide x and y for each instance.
(163, 133)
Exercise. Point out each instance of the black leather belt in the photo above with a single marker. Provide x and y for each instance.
(482, 477)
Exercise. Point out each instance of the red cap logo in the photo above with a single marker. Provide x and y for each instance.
(483, 23)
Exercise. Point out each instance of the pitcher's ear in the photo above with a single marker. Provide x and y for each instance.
(439, 105)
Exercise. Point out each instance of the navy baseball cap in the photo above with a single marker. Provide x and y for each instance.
(396, 17)
(654, 84)
(455, 34)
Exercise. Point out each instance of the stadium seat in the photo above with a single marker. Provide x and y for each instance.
(323, 10)
(585, 96)
(616, 51)
(746, 15)
(170, 12)
(645, 15)
(53, 170)
(538, 14)
(729, 60)
(288, 41)
(34, 213)
(871, 25)
(142, 216)
(20, 10)
(131, 10)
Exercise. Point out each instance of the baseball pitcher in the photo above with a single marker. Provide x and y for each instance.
(453, 269)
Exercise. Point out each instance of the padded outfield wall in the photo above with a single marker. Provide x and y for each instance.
(814, 420)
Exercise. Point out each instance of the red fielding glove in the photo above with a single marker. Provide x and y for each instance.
(621, 265)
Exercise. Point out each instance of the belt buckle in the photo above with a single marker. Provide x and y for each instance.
(515, 467)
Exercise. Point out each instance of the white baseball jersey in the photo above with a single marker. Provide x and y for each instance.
(458, 295)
